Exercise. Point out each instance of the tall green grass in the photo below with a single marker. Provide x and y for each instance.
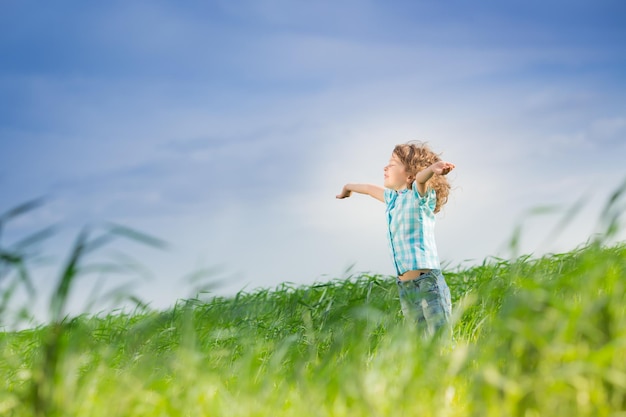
(530, 337)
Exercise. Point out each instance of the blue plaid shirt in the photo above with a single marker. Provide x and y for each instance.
(411, 229)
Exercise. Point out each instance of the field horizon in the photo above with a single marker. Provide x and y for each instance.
(542, 336)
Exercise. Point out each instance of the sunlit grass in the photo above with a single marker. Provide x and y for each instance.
(530, 337)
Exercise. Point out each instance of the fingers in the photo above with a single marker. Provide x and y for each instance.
(447, 167)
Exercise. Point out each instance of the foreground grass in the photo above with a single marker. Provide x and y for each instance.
(532, 337)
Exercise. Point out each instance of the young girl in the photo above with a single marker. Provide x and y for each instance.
(415, 188)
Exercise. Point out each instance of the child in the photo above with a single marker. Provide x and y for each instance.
(415, 188)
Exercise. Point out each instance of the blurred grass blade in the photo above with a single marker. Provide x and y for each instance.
(136, 235)
(19, 210)
(612, 213)
(82, 247)
(70, 272)
(9, 257)
(34, 238)
(566, 219)
(10, 261)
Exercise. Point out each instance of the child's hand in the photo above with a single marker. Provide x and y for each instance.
(442, 167)
(344, 193)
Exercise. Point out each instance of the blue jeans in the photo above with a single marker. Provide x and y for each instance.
(425, 300)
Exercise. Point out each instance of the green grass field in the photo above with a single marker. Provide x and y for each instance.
(530, 337)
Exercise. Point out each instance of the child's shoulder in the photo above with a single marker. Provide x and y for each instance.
(429, 194)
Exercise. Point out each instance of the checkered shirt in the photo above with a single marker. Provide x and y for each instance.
(411, 229)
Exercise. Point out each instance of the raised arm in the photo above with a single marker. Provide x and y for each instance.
(375, 191)
(439, 168)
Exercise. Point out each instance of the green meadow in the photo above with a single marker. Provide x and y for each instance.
(530, 336)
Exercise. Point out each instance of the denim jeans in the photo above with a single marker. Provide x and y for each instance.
(425, 301)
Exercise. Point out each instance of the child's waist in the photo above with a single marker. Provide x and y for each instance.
(412, 274)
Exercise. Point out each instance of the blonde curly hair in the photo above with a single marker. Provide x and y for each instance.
(416, 156)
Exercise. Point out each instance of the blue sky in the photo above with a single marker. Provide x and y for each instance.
(226, 128)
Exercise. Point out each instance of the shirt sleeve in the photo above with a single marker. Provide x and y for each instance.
(388, 193)
(429, 198)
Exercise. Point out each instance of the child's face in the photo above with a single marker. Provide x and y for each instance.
(396, 177)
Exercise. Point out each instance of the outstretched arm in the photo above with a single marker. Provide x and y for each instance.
(370, 189)
(439, 168)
